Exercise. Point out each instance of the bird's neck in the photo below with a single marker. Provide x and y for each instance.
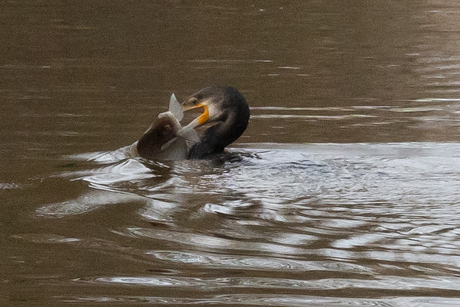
(217, 137)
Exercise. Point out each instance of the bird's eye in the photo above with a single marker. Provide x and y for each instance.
(192, 101)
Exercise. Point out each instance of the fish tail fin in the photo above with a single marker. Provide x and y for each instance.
(175, 108)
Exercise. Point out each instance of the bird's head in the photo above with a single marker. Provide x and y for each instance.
(212, 100)
(226, 107)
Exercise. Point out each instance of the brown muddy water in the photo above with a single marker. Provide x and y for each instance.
(344, 190)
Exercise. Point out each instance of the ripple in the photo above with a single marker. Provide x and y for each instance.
(389, 283)
(10, 186)
(270, 300)
(211, 242)
(44, 238)
(235, 262)
(335, 219)
(85, 203)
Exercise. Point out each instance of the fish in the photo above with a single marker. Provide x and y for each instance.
(166, 139)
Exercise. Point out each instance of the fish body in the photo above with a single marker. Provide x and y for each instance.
(166, 139)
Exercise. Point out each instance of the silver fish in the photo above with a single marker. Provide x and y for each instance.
(166, 139)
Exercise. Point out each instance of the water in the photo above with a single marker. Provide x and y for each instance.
(343, 191)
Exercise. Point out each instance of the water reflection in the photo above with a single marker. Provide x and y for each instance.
(326, 217)
(329, 220)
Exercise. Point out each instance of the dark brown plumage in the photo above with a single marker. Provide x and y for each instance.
(227, 108)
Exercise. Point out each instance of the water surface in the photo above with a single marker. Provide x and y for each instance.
(343, 191)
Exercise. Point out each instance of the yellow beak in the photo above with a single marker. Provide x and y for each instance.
(203, 118)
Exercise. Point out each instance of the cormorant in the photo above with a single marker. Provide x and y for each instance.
(227, 108)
